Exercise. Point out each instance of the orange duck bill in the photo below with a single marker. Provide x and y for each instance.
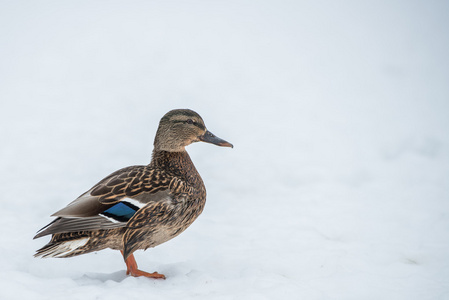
(209, 137)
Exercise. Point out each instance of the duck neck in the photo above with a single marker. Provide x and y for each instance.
(176, 163)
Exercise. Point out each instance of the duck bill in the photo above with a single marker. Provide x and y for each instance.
(209, 137)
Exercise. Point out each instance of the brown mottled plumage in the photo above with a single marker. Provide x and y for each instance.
(137, 207)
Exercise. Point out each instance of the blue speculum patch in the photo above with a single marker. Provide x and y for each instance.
(121, 212)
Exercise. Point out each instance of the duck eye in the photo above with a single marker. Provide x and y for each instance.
(190, 121)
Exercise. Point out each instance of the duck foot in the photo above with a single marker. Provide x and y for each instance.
(131, 269)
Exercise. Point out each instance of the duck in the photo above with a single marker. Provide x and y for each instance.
(137, 207)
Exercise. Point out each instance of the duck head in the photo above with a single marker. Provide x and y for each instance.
(179, 128)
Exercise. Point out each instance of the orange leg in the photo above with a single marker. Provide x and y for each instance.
(131, 269)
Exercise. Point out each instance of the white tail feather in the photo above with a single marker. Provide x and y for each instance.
(64, 248)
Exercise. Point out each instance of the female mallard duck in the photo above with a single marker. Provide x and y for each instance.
(140, 206)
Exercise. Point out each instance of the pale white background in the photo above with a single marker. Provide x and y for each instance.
(338, 185)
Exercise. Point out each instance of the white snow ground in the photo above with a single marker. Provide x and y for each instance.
(338, 185)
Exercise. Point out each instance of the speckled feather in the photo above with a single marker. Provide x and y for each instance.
(169, 172)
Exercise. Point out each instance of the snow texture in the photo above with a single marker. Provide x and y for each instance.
(338, 183)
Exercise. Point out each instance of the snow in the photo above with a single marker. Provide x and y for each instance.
(338, 183)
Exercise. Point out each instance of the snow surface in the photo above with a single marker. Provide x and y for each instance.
(338, 185)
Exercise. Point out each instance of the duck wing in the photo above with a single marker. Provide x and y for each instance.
(113, 201)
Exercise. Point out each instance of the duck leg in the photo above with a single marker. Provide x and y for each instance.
(131, 269)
